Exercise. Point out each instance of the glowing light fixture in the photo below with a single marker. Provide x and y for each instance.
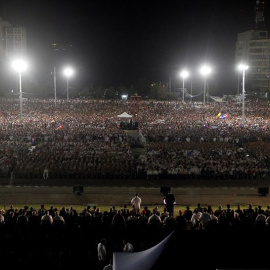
(205, 71)
(184, 74)
(20, 65)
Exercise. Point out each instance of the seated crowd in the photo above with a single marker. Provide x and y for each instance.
(83, 139)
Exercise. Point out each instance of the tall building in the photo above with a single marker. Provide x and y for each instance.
(12, 45)
(253, 48)
(13, 42)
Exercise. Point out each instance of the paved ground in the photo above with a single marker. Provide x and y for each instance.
(119, 192)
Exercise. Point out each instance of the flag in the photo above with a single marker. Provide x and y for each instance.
(218, 115)
(59, 127)
(223, 116)
(143, 260)
(202, 118)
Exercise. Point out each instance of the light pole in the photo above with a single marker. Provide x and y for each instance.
(238, 81)
(243, 68)
(54, 84)
(20, 66)
(191, 91)
(205, 71)
(184, 74)
(68, 72)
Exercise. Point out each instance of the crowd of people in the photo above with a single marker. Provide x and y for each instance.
(127, 229)
(24, 222)
(83, 139)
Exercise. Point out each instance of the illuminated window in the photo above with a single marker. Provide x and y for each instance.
(9, 31)
(17, 31)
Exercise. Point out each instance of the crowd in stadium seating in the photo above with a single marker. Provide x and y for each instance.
(83, 139)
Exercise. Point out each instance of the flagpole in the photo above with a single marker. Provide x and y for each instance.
(191, 91)
(54, 81)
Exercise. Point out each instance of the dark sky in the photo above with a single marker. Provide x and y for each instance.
(117, 41)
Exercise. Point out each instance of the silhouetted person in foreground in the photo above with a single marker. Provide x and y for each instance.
(170, 201)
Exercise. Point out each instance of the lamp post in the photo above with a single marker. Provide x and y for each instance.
(54, 85)
(68, 72)
(184, 74)
(205, 71)
(238, 81)
(243, 68)
(20, 66)
(191, 91)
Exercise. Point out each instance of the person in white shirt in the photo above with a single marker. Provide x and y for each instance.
(128, 247)
(102, 251)
(261, 218)
(108, 266)
(205, 218)
(164, 214)
(196, 216)
(267, 221)
(47, 218)
(154, 219)
(57, 218)
(136, 201)
(2, 217)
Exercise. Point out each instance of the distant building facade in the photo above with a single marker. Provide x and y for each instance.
(13, 40)
(253, 48)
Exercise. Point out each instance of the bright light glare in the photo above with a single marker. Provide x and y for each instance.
(68, 72)
(19, 65)
(242, 67)
(205, 70)
(184, 74)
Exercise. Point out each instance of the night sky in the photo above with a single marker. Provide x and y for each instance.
(113, 42)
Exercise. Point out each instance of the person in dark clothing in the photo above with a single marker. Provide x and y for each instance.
(119, 220)
(170, 201)
(23, 219)
(11, 209)
(181, 222)
(188, 213)
(146, 212)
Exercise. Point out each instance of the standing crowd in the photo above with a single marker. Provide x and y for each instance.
(94, 234)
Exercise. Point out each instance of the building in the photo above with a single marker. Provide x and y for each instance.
(253, 48)
(12, 45)
(13, 41)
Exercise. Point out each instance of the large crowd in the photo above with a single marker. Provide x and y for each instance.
(82, 139)
(69, 238)
(25, 222)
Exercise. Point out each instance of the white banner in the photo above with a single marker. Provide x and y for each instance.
(142, 260)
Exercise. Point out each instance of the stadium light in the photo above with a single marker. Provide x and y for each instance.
(243, 67)
(184, 74)
(68, 72)
(205, 71)
(20, 65)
